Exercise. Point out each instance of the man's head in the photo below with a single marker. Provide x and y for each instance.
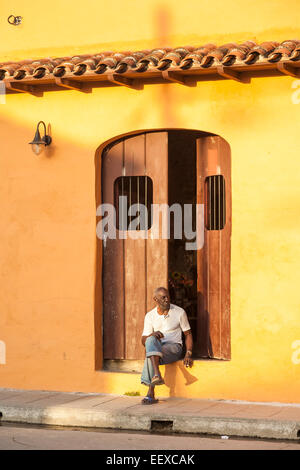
(162, 298)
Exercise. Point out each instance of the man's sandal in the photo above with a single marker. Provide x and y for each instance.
(156, 380)
(149, 401)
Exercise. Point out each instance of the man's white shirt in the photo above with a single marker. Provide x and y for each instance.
(171, 325)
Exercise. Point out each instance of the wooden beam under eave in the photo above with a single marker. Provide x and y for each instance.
(73, 84)
(125, 81)
(86, 82)
(22, 88)
(178, 78)
(232, 74)
(288, 69)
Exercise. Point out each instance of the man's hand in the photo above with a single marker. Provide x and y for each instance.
(157, 334)
(188, 361)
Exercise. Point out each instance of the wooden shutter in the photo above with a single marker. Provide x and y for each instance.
(113, 264)
(133, 267)
(213, 261)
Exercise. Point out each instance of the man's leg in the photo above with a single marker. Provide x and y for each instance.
(155, 364)
(147, 374)
(151, 365)
(156, 354)
(151, 393)
(172, 352)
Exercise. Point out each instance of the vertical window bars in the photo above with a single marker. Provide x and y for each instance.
(139, 191)
(215, 203)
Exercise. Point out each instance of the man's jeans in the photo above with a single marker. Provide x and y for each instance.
(168, 352)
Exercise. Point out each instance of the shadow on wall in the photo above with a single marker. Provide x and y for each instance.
(171, 372)
(162, 30)
(202, 348)
(177, 369)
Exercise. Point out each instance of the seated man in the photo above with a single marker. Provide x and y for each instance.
(162, 338)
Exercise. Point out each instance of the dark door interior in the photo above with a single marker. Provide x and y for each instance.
(182, 180)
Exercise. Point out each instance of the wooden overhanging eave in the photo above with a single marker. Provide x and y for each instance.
(85, 83)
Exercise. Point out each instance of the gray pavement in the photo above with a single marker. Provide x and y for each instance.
(26, 437)
(179, 415)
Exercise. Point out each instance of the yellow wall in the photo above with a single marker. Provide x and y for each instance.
(47, 203)
(71, 27)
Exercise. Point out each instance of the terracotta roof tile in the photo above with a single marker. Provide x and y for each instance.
(260, 52)
(284, 49)
(160, 59)
(195, 57)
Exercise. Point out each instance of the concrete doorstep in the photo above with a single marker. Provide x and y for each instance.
(179, 415)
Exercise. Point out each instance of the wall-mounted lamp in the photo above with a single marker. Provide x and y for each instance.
(39, 143)
(15, 20)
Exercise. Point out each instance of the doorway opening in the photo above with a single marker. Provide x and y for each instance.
(182, 263)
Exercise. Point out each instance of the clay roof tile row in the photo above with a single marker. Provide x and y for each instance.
(206, 56)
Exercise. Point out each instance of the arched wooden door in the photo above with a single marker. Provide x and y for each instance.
(133, 267)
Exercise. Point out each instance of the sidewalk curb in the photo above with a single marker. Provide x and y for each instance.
(241, 427)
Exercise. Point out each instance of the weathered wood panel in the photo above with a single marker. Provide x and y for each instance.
(157, 249)
(203, 347)
(133, 266)
(135, 262)
(224, 151)
(213, 158)
(113, 265)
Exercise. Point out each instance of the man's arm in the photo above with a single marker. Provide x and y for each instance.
(187, 361)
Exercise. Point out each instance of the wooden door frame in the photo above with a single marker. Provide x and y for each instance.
(98, 289)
